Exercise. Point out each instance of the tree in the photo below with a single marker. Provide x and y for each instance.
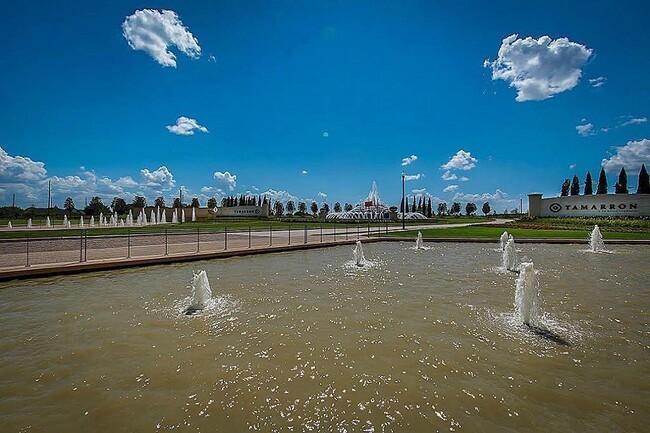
(429, 211)
(621, 185)
(442, 208)
(575, 186)
(644, 181)
(212, 203)
(347, 207)
(589, 189)
(602, 182)
(68, 205)
(565, 188)
(119, 205)
(195, 202)
(290, 207)
(302, 208)
(278, 208)
(139, 201)
(486, 208)
(159, 202)
(414, 207)
(314, 207)
(325, 208)
(337, 207)
(470, 208)
(95, 207)
(455, 208)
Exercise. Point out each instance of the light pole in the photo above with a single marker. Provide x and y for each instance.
(403, 203)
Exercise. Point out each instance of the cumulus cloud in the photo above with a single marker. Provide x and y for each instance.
(629, 120)
(413, 177)
(422, 192)
(186, 126)
(322, 194)
(15, 169)
(630, 156)
(230, 180)
(154, 31)
(572, 166)
(597, 82)
(463, 179)
(585, 129)
(448, 175)
(281, 196)
(450, 188)
(409, 159)
(460, 161)
(539, 68)
(161, 178)
(499, 198)
(303, 172)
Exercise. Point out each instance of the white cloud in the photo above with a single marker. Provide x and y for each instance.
(230, 180)
(161, 178)
(409, 159)
(282, 196)
(464, 179)
(634, 120)
(499, 198)
(212, 58)
(422, 192)
(322, 194)
(597, 82)
(450, 188)
(448, 175)
(16, 169)
(186, 126)
(154, 31)
(326, 134)
(630, 156)
(585, 129)
(460, 161)
(572, 166)
(539, 68)
(205, 189)
(413, 177)
(303, 172)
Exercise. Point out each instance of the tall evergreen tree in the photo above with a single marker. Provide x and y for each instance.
(621, 185)
(602, 182)
(575, 186)
(414, 208)
(644, 181)
(565, 188)
(589, 188)
(429, 210)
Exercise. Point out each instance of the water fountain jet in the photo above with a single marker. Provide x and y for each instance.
(503, 240)
(596, 243)
(201, 293)
(509, 257)
(418, 243)
(359, 258)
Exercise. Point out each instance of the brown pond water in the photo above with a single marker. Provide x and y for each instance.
(416, 341)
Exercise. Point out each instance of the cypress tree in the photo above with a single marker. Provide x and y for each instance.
(602, 182)
(420, 205)
(565, 188)
(589, 189)
(621, 185)
(575, 186)
(429, 211)
(414, 208)
(644, 181)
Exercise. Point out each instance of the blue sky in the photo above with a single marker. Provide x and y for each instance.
(315, 100)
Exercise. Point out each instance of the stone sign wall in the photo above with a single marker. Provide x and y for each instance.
(599, 205)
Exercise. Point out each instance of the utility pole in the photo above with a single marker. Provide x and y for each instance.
(403, 201)
(49, 195)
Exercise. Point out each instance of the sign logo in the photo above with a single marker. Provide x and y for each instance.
(555, 207)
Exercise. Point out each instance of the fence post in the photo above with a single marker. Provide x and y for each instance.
(128, 240)
(27, 264)
(368, 228)
(225, 238)
(358, 229)
(346, 232)
(305, 234)
(334, 233)
(198, 239)
(166, 248)
(249, 236)
(81, 246)
(321, 233)
(289, 234)
(270, 235)
(86, 246)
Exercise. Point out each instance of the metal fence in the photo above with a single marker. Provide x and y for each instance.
(36, 249)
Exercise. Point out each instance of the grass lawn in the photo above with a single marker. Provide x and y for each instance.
(495, 233)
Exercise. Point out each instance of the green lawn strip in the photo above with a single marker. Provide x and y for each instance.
(495, 233)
